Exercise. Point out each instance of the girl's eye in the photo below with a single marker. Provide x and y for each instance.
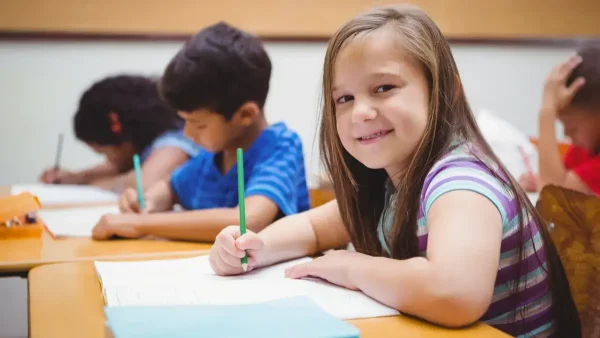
(344, 99)
(384, 88)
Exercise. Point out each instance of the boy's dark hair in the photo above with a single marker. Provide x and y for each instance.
(220, 69)
(588, 96)
(123, 108)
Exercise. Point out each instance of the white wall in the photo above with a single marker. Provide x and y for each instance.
(40, 83)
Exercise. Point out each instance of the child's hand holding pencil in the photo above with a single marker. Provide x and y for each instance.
(230, 247)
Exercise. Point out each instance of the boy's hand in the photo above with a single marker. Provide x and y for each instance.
(116, 225)
(557, 96)
(529, 182)
(129, 203)
(228, 250)
(58, 176)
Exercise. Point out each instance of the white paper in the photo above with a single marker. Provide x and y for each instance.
(512, 146)
(74, 222)
(191, 281)
(533, 197)
(66, 194)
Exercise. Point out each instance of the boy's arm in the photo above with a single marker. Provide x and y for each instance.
(552, 168)
(197, 225)
(557, 97)
(156, 167)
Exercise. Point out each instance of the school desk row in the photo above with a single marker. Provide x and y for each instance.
(17, 256)
(61, 279)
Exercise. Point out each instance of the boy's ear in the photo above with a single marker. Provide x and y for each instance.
(246, 114)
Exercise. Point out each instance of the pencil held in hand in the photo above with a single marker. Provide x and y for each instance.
(241, 205)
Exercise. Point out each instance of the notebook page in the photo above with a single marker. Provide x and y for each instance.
(174, 271)
(153, 284)
(66, 194)
(74, 222)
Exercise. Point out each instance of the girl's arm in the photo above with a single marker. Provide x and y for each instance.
(452, 286)
(59, 176)
(304, 234)
(156, 167)
(99, 171)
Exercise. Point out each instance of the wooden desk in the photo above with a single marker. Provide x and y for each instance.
(65, 300)
(18, 256)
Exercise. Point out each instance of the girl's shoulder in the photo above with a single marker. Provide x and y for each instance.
(464, 167)
(173, 138)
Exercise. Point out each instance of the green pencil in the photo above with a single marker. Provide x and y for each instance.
(241, 205)
(138, 181)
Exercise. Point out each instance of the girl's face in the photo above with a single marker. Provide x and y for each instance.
(381, 99)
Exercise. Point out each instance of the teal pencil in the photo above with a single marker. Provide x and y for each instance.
(241, 205)
(138, 181)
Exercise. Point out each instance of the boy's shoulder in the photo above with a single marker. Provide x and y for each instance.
(277, 137)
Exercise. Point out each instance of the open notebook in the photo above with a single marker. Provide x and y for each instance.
(74, 222)
(66, 194)
(191, 281)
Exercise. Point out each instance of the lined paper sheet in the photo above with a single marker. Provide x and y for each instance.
(191, 281)
(66, 194)
(74, 222)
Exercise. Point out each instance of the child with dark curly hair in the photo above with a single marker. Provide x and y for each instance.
(118, 117)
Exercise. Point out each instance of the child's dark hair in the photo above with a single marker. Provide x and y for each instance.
(219, 69)
(123, 108)
(588, 97)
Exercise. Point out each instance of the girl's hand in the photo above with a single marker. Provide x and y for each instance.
(228, 250)
(334, 267)
(557, 96)
(58, 176)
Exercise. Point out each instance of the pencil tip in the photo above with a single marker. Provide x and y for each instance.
(245, 267)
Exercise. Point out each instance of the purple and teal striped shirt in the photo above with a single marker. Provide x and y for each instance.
(461, 170)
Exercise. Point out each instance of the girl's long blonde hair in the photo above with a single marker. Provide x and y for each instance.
(360, 191)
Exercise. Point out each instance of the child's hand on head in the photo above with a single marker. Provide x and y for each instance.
(557, 96)
(333, 267)
(58, 176)
(228, 250)
(129, 203)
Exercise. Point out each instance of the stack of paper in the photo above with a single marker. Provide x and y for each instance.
(66, 194)
(191, 281)
(74, 222)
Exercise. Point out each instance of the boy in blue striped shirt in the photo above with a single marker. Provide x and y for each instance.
(218, 82)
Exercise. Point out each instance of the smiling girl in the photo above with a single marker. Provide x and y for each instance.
(441, 230)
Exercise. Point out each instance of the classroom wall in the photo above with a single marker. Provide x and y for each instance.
(41, 81)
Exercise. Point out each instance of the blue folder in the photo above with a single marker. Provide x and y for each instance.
(290, 318)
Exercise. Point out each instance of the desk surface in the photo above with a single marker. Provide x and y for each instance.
(21, 255)
(65, 300)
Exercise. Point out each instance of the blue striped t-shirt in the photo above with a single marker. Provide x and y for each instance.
(460, 169)
(171, 138)
(273, 167)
